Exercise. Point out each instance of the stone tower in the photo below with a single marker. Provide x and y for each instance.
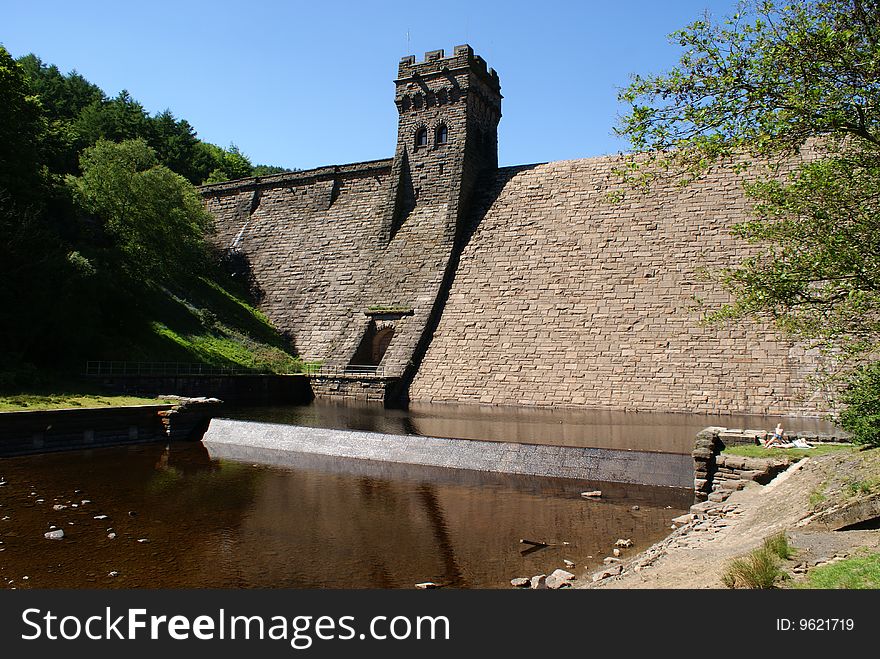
(449, 108)
(447, 134)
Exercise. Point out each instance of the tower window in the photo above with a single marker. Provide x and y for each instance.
(422, 137)
(442, 134)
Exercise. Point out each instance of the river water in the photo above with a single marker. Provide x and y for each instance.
(167, 516)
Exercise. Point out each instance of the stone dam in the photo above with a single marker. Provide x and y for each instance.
(437, 276)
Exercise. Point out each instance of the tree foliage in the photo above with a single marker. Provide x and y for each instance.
(790, 94)
(154, 219)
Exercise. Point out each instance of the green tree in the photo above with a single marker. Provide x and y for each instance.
(231, 164)
(795, 84)
(22, 128)
(153, 218)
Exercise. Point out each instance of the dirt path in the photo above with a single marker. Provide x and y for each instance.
(696, 554)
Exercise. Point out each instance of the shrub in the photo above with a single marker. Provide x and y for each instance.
(777, 544)
(759, 569)
(861, 400)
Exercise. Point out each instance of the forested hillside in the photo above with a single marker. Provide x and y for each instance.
(104, 250)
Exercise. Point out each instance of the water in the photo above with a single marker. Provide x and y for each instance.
(644, 431)
(224, 524)
(184, 520)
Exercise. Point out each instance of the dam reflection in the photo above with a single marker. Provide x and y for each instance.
(222, 524)
(644, 431)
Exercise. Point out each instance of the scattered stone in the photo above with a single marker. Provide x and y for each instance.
(85, 501)
(58, 506)
(425, 585)
(111, 536)
(592, 494)
(568, 563)
(57, 534)
(616, 552)
(719, 496)
(538, 582)
(626, 543)
(132, 513)
(142, 540)
(520, 582)
(634, 508)
(100, 516)
(562, 575)
(114, 573)
(683, 519)
(612, 571)
(41, 500)
(74, 505)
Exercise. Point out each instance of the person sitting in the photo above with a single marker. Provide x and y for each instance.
(778, 437)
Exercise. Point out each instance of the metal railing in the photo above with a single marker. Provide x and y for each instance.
(168, 369)
(174, 369)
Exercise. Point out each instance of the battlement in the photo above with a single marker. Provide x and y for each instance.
(436, 62)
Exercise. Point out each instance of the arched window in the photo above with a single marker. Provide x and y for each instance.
(422, 137)
(442, 134)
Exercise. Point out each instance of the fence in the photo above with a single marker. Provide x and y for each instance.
(175, 369)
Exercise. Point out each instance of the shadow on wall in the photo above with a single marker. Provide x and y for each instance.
(487, 190)
(237, 263)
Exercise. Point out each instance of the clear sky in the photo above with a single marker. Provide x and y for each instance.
(305, 84)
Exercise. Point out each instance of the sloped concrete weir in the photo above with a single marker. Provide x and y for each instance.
(298, 445)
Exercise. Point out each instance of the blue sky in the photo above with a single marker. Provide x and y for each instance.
(305, 84)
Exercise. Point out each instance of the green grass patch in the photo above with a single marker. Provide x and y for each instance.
(778, 545)
(748, 451)
(857, 573)
(758, 570)
(863, 486)
(26, 402)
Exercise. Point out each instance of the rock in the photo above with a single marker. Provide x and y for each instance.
(562, 574)
(132, 513)
(718, 497)
(608, 560)
(111, 536)
(568, 563)
(425, 585)
(57, 534)
(520, 582)
(58, 506)
(555, 583)
(100, 516)
(538, 582)
(85, 501)
(592, 494)
(616, 552)
(609, 572)
(683, 519)
(114, 573)
(634, 508)
(142, 540)
(626, 543)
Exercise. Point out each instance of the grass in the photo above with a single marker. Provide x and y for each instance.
(778, 545)
(864, 486)
(749, 451)
(860, 572)
(24, 402)
(758, 570)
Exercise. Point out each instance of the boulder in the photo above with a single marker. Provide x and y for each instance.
(520, 582)
(57, 534)
(539, 582)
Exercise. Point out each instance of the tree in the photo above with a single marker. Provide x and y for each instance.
(795, 84)
(153, 218)
(22, 127)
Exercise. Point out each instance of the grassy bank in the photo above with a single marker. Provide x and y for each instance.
(748, 451)
(32, 402)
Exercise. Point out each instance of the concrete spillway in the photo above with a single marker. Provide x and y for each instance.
(280, 444)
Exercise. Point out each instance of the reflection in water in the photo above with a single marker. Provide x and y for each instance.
(646, 431)
(222, 524)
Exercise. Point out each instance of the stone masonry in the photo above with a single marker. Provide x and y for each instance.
(514, 286)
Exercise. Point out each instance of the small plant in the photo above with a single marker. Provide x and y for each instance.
(759, 570)
(778, 545)
(817, 497)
